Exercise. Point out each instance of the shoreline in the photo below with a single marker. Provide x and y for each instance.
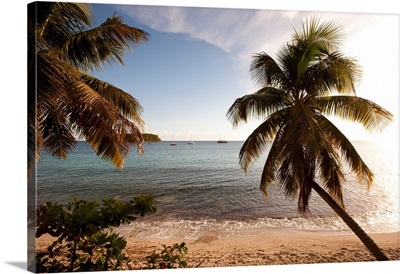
(275, 248)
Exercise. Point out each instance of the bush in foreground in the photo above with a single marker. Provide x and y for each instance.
(169, 257)
(84, 231)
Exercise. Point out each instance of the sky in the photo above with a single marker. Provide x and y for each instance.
(196, 63)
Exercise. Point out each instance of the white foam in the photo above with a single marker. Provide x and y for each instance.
(193, 229)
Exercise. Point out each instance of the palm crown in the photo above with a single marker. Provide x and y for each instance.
(310, 80)
(63, 99)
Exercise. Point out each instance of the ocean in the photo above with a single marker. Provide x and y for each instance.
(201, 190)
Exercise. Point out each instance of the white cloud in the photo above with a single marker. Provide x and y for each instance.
(241, 32)
(237, 31)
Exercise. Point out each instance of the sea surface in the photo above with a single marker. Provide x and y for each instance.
(201, 190)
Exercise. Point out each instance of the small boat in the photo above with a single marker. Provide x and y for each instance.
(222, 142)
(173, 144)
(191, 143)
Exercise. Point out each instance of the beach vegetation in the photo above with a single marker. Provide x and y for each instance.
(65, 102)
(309, 80)
(85, 240)
(169, 257)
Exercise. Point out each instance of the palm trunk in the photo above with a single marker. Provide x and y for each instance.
(367, 241)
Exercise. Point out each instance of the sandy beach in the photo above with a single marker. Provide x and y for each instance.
(265, 249)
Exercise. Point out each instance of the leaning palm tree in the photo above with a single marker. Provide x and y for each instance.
(64, 100)
(310, 80)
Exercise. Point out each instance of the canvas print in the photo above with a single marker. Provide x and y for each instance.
(165, 137)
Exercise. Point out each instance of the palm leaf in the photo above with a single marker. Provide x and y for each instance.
(50, 77)
(291, 174)
(58, 139)
(347, 151)
(335, 73)
(288, 60)
(57, 20)
(266, 72)
(315, 42)
(273, 161)
(96, 120)
(257, 105)
(259, 138)
(315, 31)
(303, 127)
(53, 78)
(107, 43)
(123, 101)
(287, 176)
(355, 109)
(331, 174)
(108, 132)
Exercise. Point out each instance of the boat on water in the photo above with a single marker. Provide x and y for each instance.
(191, 143)
(222, 141)
(173, 144)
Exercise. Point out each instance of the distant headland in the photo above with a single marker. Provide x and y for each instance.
(151, 138)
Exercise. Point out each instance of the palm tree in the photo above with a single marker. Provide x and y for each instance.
(310, 80)
(64, 101)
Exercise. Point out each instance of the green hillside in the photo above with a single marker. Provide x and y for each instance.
(149, 137)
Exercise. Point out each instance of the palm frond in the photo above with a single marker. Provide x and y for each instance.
(107, 43)
(113, 145)
(123, 101)
(347, 151)
(335, 73)
(290, 174)
(108, 132)
(46, 88)
(331, 173)
(314, 31)
(315, 41)
(57, 20)
(355, 109)
(257, 105)
(259, 138)
(303, 127)
(52, 76)
(58, 139)
(266, 72)
(286, 176)
(273, 161)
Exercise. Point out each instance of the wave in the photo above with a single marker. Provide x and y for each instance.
(191, 229)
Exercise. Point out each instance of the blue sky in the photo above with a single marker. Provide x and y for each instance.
(197, 59)
(182, 83)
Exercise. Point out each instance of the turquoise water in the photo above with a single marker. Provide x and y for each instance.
(200, 189)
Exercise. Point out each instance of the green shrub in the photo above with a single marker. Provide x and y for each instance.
(85, 239)
(169, 257)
